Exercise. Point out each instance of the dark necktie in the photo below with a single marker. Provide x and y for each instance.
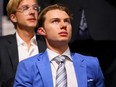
(61, 77)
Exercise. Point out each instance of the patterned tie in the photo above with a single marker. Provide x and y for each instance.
(61, 77)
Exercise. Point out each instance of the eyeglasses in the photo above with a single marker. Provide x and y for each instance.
(26, 9)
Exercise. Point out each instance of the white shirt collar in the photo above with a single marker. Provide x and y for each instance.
(20, 41)
(53, 54)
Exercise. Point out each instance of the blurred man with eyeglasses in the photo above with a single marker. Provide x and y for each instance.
(24, 43)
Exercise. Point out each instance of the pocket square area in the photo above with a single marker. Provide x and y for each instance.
(90, 80)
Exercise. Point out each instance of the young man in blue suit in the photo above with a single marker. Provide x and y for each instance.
(40, 70)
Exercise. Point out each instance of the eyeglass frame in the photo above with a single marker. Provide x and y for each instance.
(26, 8)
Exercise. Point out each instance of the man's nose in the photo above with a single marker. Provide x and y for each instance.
(31, 10)
(63, 25)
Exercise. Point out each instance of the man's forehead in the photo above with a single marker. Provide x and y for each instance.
(56, 13)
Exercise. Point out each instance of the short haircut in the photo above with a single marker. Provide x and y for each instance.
(49, 8)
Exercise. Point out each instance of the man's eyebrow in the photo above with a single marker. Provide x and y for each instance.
(54, 19)
(59, 18)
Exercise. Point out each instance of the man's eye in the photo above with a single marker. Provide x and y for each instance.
(36, 8)
(25, 8)
(68, 21)
(55, 21)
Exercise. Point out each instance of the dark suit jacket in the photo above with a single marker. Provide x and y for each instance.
(9, 58)
(100, 16)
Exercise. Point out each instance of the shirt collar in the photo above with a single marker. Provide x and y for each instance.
(20, 41)
(53, 54)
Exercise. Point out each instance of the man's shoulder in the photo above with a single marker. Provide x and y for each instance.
(86, 58)
(4, 38)
(31, 61)
(34, 58)
(7, 39)
(90, 62)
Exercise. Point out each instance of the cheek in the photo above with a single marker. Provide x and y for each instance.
(70, 31)
(51, 29)
(37, 15)
(21, 20)
(20, 17)
(51, 34)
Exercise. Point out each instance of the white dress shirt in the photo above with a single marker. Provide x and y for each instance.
(23, 51)
(71, 76)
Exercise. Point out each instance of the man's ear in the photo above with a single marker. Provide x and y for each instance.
(41, 31)
(13, 18)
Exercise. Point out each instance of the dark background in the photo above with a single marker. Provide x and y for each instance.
(111, 2)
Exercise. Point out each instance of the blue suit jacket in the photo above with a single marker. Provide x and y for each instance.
(36, 71)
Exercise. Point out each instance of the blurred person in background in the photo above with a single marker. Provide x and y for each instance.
(24, 43)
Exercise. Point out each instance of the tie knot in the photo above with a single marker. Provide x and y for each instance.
(60, 59)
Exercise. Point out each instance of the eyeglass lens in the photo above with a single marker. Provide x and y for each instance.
(26, 8)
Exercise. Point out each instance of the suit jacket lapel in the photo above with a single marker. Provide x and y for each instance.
(45, 70)
(80, 69)
(13, 50)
